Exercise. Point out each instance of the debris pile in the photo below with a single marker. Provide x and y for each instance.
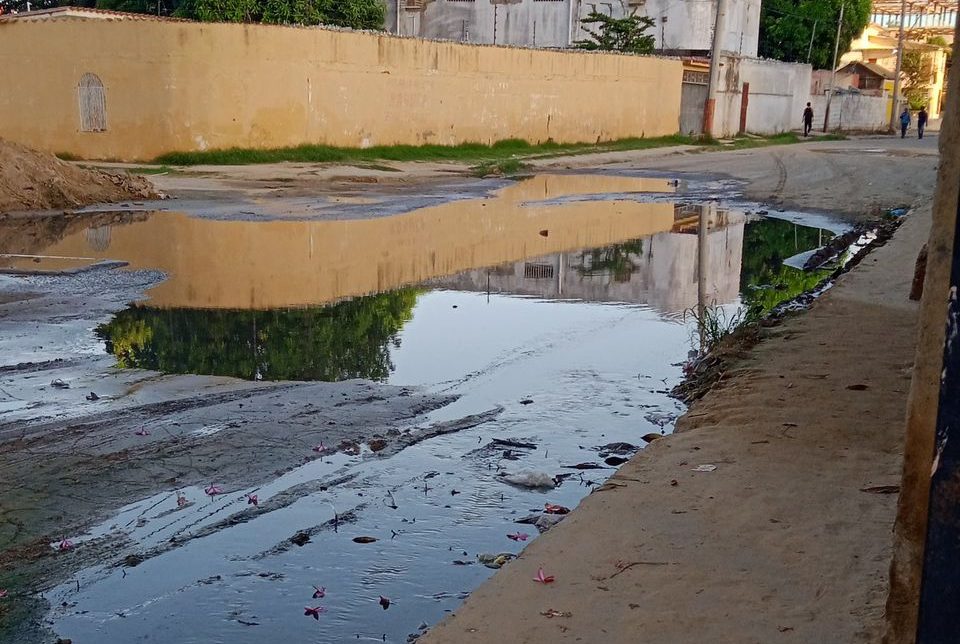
(31, 180)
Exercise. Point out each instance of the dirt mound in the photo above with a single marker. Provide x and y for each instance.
(31, 180)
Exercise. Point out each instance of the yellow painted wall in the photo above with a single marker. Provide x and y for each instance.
(174, 86)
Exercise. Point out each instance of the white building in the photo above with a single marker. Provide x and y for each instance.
(681, 26)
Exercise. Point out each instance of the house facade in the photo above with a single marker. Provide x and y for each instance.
(876, 50)
(682, 27)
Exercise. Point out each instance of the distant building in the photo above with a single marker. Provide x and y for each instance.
(868, 77)
(683, 27)
(874, 54)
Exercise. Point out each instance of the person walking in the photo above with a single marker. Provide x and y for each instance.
(922, 117)
(904, 122)
(807, 120)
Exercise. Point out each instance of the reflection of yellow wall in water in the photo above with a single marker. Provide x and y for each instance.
(220, 264)
(192, 86)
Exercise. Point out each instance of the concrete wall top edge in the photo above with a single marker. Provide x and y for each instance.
(123, 20)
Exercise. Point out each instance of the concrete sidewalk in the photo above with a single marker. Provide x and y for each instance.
(788, 540)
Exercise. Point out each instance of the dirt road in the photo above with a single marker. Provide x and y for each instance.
(855, 178)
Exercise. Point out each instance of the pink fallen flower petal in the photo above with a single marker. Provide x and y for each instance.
(141, 432)
(319, 592)
(253, 500)
(181, 500)
(542, 578)
(66, 544)
(3, 593)
(320, 447)
(213, 490)
(519, 536)
(314, 612)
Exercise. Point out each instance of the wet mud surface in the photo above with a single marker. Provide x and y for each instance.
(232, 412)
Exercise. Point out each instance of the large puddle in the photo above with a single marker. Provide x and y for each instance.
(560, 298)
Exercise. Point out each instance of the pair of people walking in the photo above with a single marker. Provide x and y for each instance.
(905, 120)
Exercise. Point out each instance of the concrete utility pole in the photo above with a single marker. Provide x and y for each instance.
(719, 27)
(812, 34)
(921, 606)
(833, 72)
(895, 107)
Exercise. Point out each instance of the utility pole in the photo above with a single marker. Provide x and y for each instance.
(833, 72)
(895, 107)
(709, 107)
(810, 48)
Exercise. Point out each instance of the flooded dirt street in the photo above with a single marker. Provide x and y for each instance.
(205, 417)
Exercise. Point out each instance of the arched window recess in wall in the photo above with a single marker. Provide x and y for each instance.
(93, 104)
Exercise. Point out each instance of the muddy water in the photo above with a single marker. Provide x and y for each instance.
(559, 300)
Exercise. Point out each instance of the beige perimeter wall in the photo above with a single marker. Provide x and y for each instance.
(174, 86)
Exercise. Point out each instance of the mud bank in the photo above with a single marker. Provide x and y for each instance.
(31, 180)
(803, 436)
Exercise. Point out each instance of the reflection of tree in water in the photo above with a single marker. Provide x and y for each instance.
(351, 339)
(616, 260)
(765, 281)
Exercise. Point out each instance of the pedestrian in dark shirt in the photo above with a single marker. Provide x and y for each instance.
(904, 122)
(921, 121)
(807, 120)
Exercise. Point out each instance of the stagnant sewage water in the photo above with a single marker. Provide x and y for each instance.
(560, 299)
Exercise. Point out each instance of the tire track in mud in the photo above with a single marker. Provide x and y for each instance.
(24, 429)
(47, 568)
(293, 494)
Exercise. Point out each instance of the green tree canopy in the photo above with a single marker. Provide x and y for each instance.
(350, 339)
(765, 281)
(354, 14)
(786, 27)
(626, 35)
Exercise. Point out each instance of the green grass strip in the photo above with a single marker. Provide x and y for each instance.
(464, 153)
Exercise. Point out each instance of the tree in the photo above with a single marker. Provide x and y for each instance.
(786, 27)
(627, 35)
(349, 339)
(154, 7)
(918, 74)
(354, 14)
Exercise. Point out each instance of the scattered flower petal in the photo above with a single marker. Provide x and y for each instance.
(320, 447)
(551, 508)
(3, 593)
(319, 592)
(543, 578)
(181, 500)
(213, 490)
(519, 536)
(66, 544)
(141, 432)
(314, 612)
(252, 500)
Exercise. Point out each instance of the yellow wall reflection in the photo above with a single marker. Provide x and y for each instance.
(275, 264)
